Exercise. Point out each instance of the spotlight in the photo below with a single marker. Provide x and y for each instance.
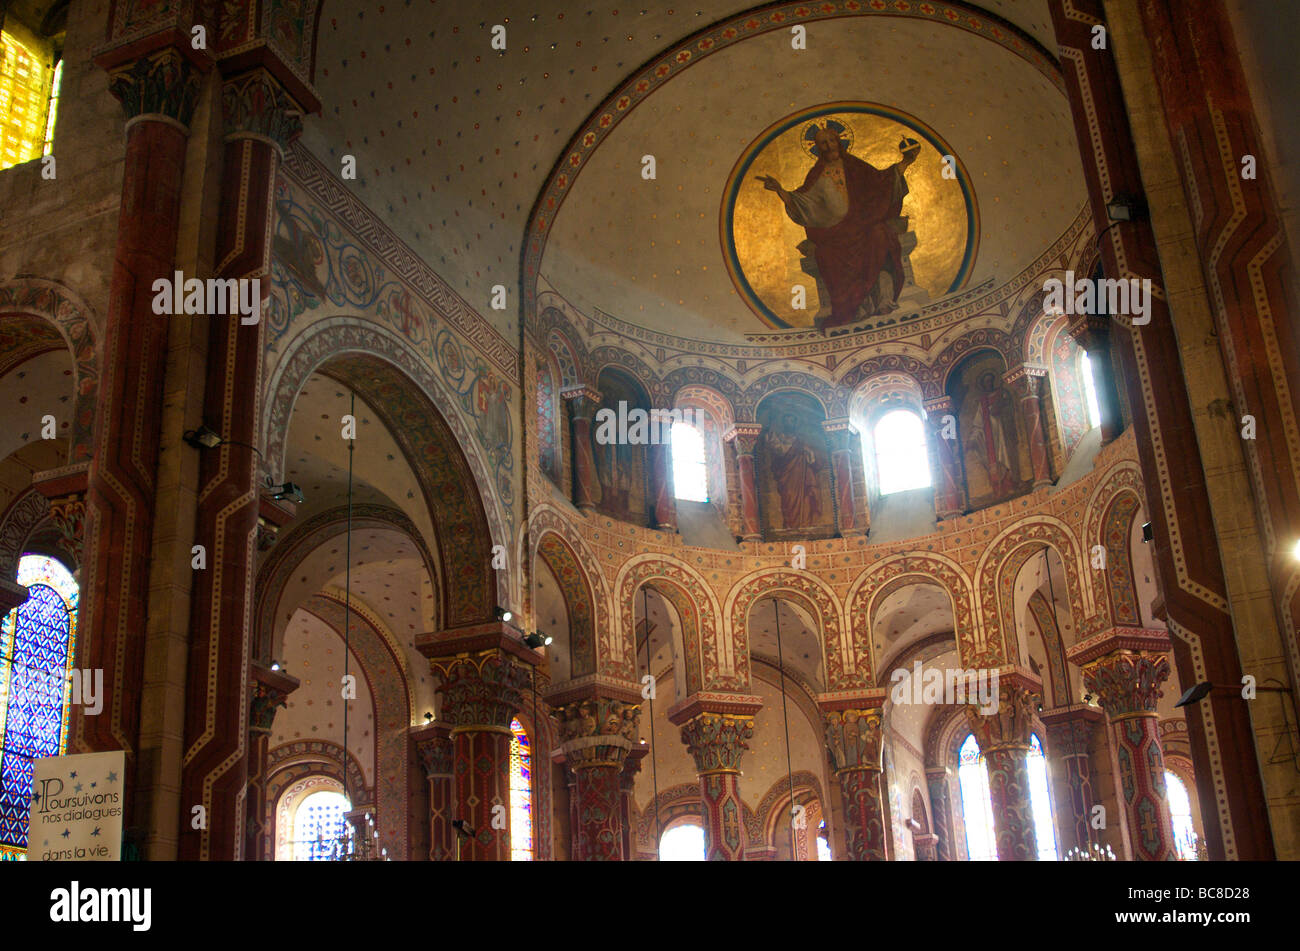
(202, 438)
(428, 717)
(1195, 693)
(504, 615)
(1148, 532)
(462, 828)
(537, 640)
(1089, 698)
(1295, 552)
(1123, 208)
(275, 665)
(289, 490)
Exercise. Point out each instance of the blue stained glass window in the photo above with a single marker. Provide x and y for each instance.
(521, 794)
(320, 827)
(37, 640)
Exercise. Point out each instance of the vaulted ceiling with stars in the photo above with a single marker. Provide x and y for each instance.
(505, 166)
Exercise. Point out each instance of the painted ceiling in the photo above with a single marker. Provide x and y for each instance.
(454, 141)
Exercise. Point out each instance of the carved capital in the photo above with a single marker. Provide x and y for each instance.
(481, 691)
(269, 690)
(1011, 724)
(1069, 731)
(716, 741)
(854, 738)
(163, 82)
(597, 731)
(1128, 682)
(744, 437)
(256, 104)
(434, 747)
(69, 517)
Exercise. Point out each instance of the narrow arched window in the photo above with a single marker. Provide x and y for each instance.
(690, 466)
(320, 827)
(1040, 799)
(1180, 811)
(521, 794)
(37, 640)
(823, 843)
(902, 459)
(682, 843)
(976, 806)
(1090, 391)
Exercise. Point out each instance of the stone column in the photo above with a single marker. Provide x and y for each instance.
(846, 447)
(270, 690)
(717, 733)
(1125, 668)
(1026, 381)
(945, 458)
(627, 787)
(936, 780)
(582, 402)
(597, 731)
(661, 467)
(484, 670)
(158, 89)
(1092, 333)
(744, 439)
(1150, 359)
(855, 740)
(1003, 737)
(1069, 754)
(259, 119)
(434, 746)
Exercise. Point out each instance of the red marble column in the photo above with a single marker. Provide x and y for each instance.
(945, 458)
(1188, 560)
(483, 671)
(270, 690)
(744, 439)
(582, 402)
(1026, 381)
(716, 734)
(597, 731)
(259, 119)
(157, 91)
(936, 780)
(854, 740)
(1125, 668)
(1069, 746)
(435, 751)
(846, 446)
(1003, 737)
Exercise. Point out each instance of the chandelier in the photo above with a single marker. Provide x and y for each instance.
(351, 844)
(1094, 853)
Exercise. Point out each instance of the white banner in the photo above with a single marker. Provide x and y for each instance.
(77, 807)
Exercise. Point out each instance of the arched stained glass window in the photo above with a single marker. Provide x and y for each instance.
(976, 807)
(320, 826)
(521, 794)
(1040, 799)
(1180, 810)
(37, 640)
(690, 467)
(683, 843)
(902, 458)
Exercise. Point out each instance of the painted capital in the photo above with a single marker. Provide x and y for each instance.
(744, 437)
(482, 690)
(1010, 726)
(597, 731)
(269, 690)
(1128, 682)
(854, 738)
(716, 741)
(163, 82)
(435, 750)
(256, 104)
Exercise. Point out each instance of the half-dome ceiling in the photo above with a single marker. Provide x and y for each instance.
(455, 141)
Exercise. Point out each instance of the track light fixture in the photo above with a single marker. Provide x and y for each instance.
(463, 829)
(1194, 693)
(1148, 532)
(504, 615)
(202, 438)
(275, 665)
(538, 640)
(428, 717)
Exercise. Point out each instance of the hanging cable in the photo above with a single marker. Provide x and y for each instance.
(654, 760)
(785, 718)
(347, 609)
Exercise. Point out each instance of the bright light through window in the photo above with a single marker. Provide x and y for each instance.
(1180, 810)
(684, 843)
(1041, 801)
(690, 470)
(521, 794)
(902, 459)
(319, 825)
(977, 807)
(1090, 392)
(823, 844)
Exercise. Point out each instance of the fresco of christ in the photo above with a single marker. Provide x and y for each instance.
(989, 440)
(851, 211)
(794, 467)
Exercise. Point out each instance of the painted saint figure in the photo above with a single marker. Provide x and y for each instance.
(852, 213)
(794, 467)
(989, 439)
